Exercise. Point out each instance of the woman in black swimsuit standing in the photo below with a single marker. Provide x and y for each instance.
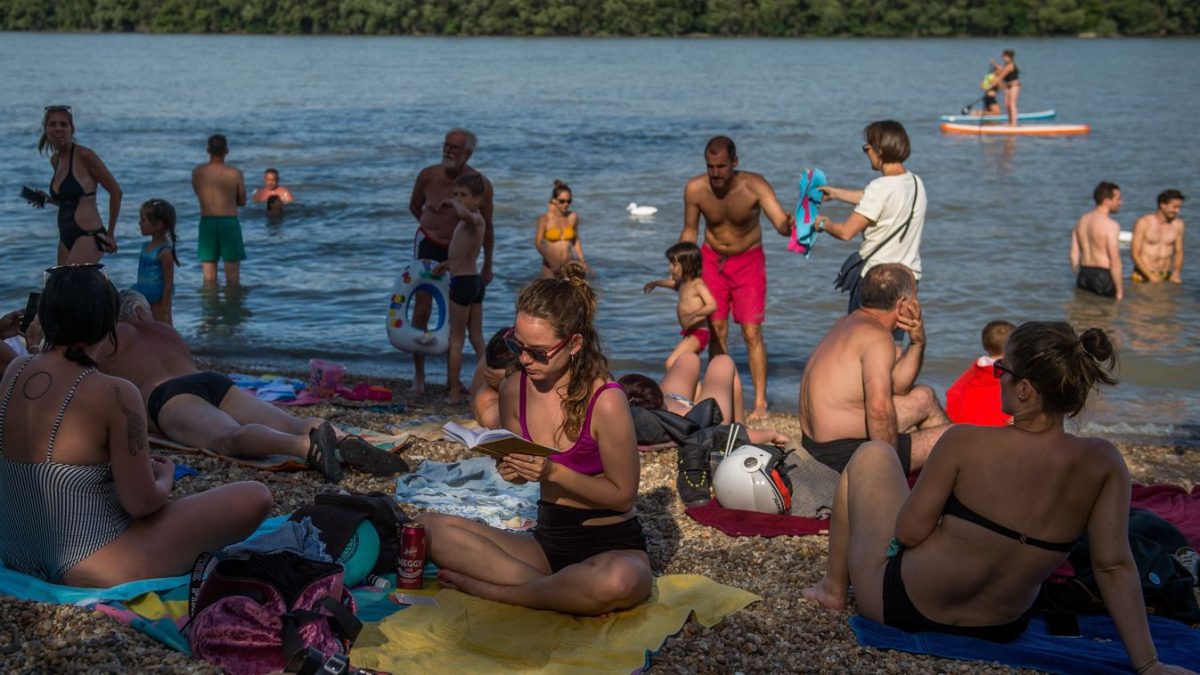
(996, 509)
(1008, 77)
(77, 172)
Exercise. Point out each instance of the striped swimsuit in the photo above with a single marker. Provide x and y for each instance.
(54, 515)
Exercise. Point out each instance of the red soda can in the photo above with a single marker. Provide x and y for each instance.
(410, 567)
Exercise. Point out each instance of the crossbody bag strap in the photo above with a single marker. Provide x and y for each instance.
(904, 228)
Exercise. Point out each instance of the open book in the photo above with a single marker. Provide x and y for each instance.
(494, 442)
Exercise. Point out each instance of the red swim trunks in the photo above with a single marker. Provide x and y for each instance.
(739, 280)
(700, 333)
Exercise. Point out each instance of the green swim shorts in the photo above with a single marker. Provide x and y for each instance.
(220, 237)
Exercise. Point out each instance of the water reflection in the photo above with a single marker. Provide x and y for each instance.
(222, 310)
(998, 152)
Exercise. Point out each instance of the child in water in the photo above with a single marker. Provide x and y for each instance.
(466, 285)
(696, 302)
(156, 266)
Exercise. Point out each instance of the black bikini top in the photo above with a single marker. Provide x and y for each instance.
(959, 510)
(1013, 75)
(69, 190)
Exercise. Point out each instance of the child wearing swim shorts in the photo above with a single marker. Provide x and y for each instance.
(466, 285)
(156, 266)
(695, 303)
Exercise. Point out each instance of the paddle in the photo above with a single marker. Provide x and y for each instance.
(966, 109)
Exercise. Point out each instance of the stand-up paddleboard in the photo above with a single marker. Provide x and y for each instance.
(1021, 117)
(1020, 130)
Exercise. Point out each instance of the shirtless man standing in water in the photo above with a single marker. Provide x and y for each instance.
(431, 206)
(1157, 238)
(734, 267)
(221, 189)
(1094, 256)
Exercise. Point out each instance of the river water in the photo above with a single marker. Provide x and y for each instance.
(350, 121)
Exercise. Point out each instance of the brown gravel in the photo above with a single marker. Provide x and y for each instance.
(779, 634)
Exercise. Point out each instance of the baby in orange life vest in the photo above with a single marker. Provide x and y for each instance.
(974, 398)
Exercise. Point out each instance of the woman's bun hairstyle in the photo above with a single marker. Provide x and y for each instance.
(1062, 367)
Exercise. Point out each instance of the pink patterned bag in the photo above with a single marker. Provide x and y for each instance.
(259, 614)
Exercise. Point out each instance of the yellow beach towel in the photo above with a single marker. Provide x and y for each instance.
(463, 633)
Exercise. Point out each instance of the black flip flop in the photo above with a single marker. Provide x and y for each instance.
(323, 453)
(357, 453)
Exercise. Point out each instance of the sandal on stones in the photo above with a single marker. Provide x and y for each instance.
(357, 453)
(323, 453)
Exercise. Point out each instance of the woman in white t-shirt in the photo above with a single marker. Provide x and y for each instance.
(889, 212)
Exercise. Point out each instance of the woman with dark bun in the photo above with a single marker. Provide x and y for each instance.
(996, 509)
(82, 501)
(557, 237)
(77, 171)
(587, 554)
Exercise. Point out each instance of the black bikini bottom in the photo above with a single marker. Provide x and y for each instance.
(566, 540)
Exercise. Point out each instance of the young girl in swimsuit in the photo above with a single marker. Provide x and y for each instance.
(82, 500)
(587, 554)
(996, 509)
(695, 303)
(557, 237)
(77, 171)
(156, 265)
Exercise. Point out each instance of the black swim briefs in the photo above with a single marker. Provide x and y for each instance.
(467, 289)
(566, 540)
(428, 249)
(899, 612)
(1098, 280)
(211, 387)
(836, 454)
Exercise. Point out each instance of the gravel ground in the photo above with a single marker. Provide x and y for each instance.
(780, 633)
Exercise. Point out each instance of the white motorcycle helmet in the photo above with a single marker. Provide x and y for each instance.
(751, 479)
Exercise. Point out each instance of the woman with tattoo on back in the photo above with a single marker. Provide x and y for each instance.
(82, 501)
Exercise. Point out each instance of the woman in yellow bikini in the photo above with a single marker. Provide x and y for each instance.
(557, 236)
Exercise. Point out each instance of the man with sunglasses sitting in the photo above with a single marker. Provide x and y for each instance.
(856, 389)
(204, 409)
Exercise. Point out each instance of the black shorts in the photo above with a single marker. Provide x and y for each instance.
(468, 289)
(1098, 280)
(430, 250)
(566, 540)
(899, 612)
(836, 454)
(989, 101)
(211, 387)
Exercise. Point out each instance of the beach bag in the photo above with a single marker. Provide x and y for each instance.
(338, 514)
(1166, 583)
(850, 275)
(265, 612)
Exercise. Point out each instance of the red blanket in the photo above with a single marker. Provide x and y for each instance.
(1174, 505)
(751, 523)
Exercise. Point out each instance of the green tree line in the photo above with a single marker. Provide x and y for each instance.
(771, 18)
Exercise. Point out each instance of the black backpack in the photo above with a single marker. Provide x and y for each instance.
(1166, 583)
(337, 516)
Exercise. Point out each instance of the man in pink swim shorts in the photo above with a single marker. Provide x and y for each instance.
(734, 269)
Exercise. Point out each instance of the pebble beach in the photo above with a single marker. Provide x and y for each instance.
(780, 633)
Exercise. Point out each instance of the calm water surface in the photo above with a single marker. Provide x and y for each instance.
(350, 121)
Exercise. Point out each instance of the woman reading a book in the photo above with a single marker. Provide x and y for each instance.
(587, 554)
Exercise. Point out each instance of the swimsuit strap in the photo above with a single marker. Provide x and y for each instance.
(959, 510)
(12, 385)
(521, 410)
(586, 431)
(63, 411)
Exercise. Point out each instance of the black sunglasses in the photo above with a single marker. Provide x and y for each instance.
(538, 354)
(563, 201)
(57, 108)
(999, 369)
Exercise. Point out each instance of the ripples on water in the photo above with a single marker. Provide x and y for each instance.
(350, 121)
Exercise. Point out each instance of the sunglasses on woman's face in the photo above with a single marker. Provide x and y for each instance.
(563, 201)
(999, 369)
(538, 354)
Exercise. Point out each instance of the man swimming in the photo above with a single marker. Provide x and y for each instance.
(274, 194)
(1157, 247)
(734, 267)
(856, 389)
(1094, 256)
(430, 205)
(205, 409)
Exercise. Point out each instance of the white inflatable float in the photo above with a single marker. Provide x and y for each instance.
(419, 277)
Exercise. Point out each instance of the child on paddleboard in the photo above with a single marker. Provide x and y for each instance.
(695, 303)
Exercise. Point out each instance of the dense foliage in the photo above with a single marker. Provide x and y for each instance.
(783, 18)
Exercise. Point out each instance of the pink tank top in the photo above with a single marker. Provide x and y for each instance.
(584, 456)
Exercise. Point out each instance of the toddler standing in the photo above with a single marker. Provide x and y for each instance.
(696, 302)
